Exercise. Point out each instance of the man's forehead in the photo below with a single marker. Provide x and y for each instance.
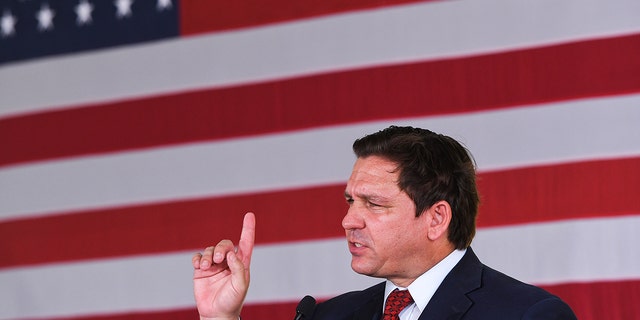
(374, 167)
(373, 176)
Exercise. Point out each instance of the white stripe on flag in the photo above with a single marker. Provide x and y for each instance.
(574, 250)
(553, 133)
(346, 41)
(563, 251)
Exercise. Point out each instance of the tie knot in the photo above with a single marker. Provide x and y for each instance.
(396, 301)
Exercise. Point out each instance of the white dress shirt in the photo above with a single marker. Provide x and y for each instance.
(423, 288)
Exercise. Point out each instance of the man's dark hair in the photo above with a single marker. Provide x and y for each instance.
(432, 167)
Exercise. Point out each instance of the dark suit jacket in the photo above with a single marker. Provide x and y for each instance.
(470, 291)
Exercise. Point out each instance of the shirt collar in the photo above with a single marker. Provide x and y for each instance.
(423, 288)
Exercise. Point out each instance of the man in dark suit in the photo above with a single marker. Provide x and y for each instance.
(471, 291)
(412, 208)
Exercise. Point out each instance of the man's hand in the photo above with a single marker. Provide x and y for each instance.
(221, 275)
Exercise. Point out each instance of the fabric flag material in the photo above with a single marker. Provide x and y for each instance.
(135, 133)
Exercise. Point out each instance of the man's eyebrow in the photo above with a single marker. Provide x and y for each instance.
(367, 197)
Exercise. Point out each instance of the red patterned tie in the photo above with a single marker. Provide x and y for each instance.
(396, 301)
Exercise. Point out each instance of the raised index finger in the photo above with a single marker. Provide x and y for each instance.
(247, 237)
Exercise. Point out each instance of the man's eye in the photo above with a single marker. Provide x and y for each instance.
(349, 201)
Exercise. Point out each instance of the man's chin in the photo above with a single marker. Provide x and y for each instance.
(363, 269)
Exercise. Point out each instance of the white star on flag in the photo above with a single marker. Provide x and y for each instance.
(7, 24)
(45, 18)
(164, 4)
(84, 10)
(124, 8)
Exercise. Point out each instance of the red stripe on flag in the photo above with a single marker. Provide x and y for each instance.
(583, 189)
(172, 226)
(156, 315)
(252, 311)
(589, 68)
(601, 300)
(576, 190)
(215, 15)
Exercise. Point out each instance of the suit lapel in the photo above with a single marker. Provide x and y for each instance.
(450, 300)
(372, 309)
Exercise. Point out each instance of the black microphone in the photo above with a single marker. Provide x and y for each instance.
(305, 308)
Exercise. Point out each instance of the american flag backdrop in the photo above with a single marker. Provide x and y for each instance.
(134, 133)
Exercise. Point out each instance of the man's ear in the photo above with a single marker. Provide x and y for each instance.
(439, 215)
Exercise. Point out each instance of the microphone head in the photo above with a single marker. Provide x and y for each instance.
(305, 307)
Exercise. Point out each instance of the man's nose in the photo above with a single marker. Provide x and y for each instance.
(353, 218)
